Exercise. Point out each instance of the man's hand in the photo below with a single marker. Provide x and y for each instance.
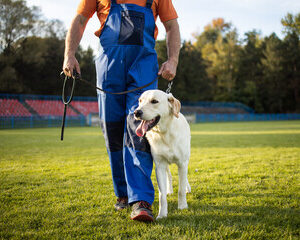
(168, 70)
(70, 63)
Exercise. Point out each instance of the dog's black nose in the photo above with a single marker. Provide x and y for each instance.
(138, 113)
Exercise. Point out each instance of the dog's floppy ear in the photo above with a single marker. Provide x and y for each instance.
(175, 105)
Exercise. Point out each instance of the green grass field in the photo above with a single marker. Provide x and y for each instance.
(244, 179)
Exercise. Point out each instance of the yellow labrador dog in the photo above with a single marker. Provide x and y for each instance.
(169, 136)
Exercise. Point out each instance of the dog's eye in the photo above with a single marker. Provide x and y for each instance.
(154, 101)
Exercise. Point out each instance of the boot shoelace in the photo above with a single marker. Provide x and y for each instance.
(144, 204)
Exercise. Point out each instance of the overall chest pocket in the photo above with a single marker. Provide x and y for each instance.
(132, 28)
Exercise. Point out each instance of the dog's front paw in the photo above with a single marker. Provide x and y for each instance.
(160, 216)
(162, 213)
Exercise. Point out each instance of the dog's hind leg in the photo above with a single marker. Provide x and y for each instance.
(161, 176)
(182, 174)
(169, 184)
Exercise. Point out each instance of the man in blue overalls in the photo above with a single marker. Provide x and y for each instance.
(127, 60)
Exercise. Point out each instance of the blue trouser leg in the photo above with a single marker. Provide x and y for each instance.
(137, 155)
(130, 157)
(112, 110)
(138, 160)
(113, 132)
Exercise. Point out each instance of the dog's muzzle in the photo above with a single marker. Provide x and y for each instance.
(146, 125)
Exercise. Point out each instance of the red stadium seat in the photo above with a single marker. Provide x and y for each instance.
(12, 107)
(85, 107)
(49, 107)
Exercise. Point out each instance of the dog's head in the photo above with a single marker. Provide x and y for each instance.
(155, 105)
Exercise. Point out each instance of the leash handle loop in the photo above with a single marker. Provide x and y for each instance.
(66, 101)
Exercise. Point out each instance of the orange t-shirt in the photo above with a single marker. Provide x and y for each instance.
(162, 8)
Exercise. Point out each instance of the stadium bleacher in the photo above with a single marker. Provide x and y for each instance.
(12, 107)
(30, 105)
(49, 108)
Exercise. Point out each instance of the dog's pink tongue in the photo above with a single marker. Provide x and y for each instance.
(142, 128)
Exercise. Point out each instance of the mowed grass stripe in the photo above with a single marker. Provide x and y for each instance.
(244, 185)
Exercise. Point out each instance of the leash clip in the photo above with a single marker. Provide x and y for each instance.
(169, 87)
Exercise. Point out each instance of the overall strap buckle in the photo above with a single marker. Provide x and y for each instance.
(148, 4)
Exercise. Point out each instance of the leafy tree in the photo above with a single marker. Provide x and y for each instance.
(273, 85)
(221, 56)
(9, 81)
(161, 50)
(38, 62)
(291, 24)
(88, 71)
(250, 71)
(291, 65)
(17, 20)
(211, 32)
(52, 28)
(191, 81)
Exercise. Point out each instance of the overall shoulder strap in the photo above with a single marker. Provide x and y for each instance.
(149, 3)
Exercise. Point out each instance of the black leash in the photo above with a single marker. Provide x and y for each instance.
(76, 77)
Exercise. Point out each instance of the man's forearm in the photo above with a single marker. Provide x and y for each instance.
(73, 38)
(74, 35)
(168, 68)
(173, 40)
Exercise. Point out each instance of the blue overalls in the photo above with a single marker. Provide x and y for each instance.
(127, 60)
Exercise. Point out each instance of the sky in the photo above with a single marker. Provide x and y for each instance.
(245, 15)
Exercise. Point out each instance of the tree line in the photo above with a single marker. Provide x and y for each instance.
(219, 65)
(261, 72)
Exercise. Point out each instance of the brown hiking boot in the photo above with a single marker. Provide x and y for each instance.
(141, 211)
(122, 203)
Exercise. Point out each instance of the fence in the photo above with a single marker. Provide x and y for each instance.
(80, 121)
